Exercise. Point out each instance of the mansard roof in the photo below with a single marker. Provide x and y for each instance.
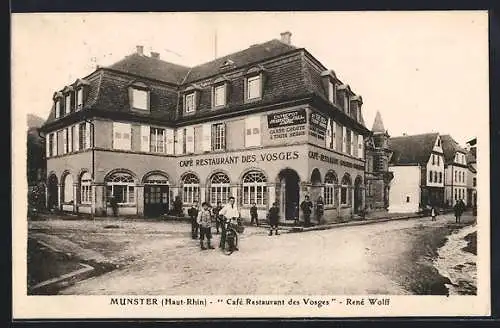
(450, 148)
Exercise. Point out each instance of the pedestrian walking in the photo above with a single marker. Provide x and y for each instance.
(204, 221)
(320, 209)
(231, 213)
(215, 211)
(193, 214)
(306, 207)
(253, 214)
(273, 217)
(458, 211)
(114, 205)
(433, 213)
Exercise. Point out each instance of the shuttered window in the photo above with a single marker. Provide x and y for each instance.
(190, 139)
(252, 131)
(122, 136)
(169, 139)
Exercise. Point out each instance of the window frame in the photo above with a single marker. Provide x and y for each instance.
(259, 180)
(134, 92)
(190, 189)
(248, 80)
(155, 148)
(218, 137)
(129, 187)
(219, 191)
(329, 189)
(216, 87)
(186, 97)
(85, 189)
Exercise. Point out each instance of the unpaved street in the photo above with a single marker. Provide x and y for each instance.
(369, 259)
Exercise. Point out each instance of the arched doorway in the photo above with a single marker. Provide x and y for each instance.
(67, 192)
(358, 196)
(289, 193)
(156, 195)
(53, 192)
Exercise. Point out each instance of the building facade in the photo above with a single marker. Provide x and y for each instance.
(471, 199)
(378, 176)
(269, 123)
(417, 163)
(456, 171)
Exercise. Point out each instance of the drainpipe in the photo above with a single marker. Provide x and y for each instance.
(93, 165)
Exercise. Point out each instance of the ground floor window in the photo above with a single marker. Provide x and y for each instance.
(190, 188)
(329, 190)
(220, 189)
(254, 188)
(122, 187)
(86, 189)
(345, 197)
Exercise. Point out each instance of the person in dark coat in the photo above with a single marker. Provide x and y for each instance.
(273, 216)
(433, 213)
(306, 207)
(193, 214)
(320, 209)
(458, 211)
(114, 205)
(215, 212)
(253, 214)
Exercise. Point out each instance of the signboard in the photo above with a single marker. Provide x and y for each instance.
(294, 117)
(286, 125)
(241, 159)
(317, 125)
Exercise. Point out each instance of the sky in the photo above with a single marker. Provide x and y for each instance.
(424, 71)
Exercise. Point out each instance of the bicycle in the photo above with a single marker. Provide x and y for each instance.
(230, 238)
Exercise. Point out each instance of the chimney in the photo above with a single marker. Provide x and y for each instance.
(155, 55)
(140, 50)
(286, 37)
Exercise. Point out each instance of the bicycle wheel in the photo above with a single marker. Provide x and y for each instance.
(229, 244)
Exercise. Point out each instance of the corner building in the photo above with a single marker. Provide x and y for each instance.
(269, 123)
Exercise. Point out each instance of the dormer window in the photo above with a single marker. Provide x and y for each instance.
(329, 78)
(81, 87)
(68, 99)
(356, 102)
(58, 108)
(219, 92)
(189, 102)
(227, 63)
(346, 104)
(139, 96)
(254, 83)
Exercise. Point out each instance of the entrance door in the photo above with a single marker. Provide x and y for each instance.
(53, 191)
(357, 195)
(156, 200)
(289, 181)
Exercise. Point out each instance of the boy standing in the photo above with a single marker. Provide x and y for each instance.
(433, 213)
(193, 214)
(216, 211)
(204, 220)
(253, 214)
(273, 216)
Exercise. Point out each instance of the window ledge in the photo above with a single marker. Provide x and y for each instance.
(253, 100)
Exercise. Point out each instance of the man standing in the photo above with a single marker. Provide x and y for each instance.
(216, 211)
(114, 205)
(231, 213)
(273, 217)
(458, 211)
(320, 209)
(253, 214)
(306, 207)
(193, 214)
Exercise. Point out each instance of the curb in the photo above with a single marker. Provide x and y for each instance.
(348, 224)
(79, 274)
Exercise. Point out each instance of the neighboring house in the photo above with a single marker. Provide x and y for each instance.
(268, 123)
(378, 176)
(472, 173)
(418, 167)
(455, 167)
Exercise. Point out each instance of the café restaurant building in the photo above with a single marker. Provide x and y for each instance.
(269, 123)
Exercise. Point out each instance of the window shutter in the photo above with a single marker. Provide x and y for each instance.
(207, 137)
(360, 147)
(76, 137)
(328, 139)
(334, 132)
(64, 140)
(344, 139)
(354, 137)
(54, 144)
(47, 146)
(169, 136)
(224, 133)
(87, 135)
(180, 141)
(190, 139)
(57, 108)
(252, 131)
(145, 137)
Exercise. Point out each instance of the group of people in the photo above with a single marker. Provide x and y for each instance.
(307, 209)
(458, 209)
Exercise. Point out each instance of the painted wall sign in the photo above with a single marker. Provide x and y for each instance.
(294, 117)
(333, 160)
(238, 159)
(317, 125)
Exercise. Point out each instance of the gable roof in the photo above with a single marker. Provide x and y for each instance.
(152, 68)
(414, 149)
(450, 147)
(255, 53)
